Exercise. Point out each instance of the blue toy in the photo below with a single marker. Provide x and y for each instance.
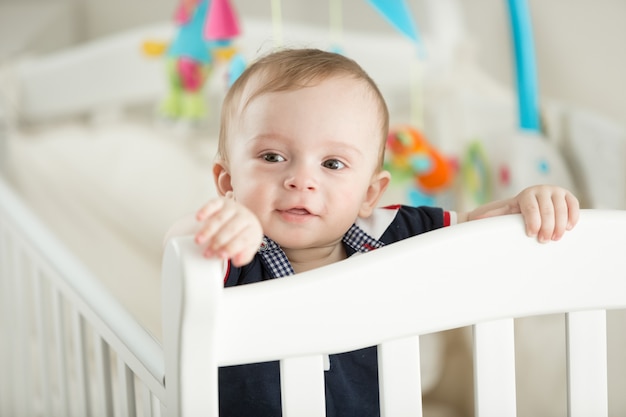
(523, 157)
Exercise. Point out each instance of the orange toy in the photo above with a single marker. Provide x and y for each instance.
(409, 153)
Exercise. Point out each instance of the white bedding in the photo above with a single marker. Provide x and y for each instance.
(110, 192)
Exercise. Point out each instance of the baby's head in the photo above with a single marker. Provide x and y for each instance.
(288, 70)
(302, 144)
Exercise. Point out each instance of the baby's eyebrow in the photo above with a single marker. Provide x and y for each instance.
(341, 147)
(269, 137)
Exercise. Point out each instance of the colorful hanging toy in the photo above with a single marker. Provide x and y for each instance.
(417, 165)
(206, 29)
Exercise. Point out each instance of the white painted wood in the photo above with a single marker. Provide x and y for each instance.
(80, 398)
(87, 301)
(399, 374)
(60, 350)
(182, 341)
(131, 77)
(425, 302)
(41, 340)
(147, 407)
(583, 271)
(103, 384)
(126, 380)
(587, 364)
(43, 280)
(7, 395)
(22, 367)
(494, 369)
(302, 386)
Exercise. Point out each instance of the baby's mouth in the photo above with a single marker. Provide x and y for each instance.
(298, 211)
(296, 215)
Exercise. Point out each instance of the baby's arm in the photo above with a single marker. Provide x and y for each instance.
(228, 230)
(548, 211)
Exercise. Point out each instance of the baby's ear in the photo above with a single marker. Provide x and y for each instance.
(221, 178)
(375, 191)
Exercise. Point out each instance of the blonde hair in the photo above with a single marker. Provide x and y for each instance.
(292, 69)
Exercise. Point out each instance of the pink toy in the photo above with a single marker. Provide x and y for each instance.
(222, 22)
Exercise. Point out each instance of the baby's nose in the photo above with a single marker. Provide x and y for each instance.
(301, 179)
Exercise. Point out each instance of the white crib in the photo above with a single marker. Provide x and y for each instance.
(69, 349)
(484, 274)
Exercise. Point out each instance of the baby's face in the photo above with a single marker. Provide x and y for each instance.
(303, 160)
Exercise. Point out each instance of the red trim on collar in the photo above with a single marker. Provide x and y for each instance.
(446, 218)
(227, 272)
(393, 207)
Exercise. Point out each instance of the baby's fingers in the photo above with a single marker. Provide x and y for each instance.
(241, 248)
(539, 214)
(210, 208)
(213, 223)
(558, 216)
(530, 209)
(549, 213)
(561, 217)
(573, 210)
(230, 232)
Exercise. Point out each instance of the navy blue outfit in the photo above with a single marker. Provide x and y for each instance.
(352, 380)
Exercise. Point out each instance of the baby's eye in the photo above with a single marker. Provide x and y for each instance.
(333, 164)
(273, 157)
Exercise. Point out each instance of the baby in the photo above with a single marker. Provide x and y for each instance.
(299, 173)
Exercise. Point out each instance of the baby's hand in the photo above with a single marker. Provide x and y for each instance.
(229, 230)
(548, 211)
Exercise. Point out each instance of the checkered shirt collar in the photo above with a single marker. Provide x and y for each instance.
(360, 241)
(279, 266)
(274, 258)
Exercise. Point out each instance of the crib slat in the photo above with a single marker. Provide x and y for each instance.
(103, 375)
(146, 402)
(60, 351)
(399, 377)
(41, 340)
(81, 399)
(587, 364)
(6, 323)
(302, 386)
(126, 380)
(22, 369)
(494, 369)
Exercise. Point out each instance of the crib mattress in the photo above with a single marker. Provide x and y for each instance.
(110, 191)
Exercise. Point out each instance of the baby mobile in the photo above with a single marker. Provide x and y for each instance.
(416, 166)
(205, 33)
(523, 156)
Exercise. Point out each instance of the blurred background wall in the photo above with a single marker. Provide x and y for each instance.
(580, 49)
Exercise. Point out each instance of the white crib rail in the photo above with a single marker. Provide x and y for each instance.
(484, 274)
(67, 347)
